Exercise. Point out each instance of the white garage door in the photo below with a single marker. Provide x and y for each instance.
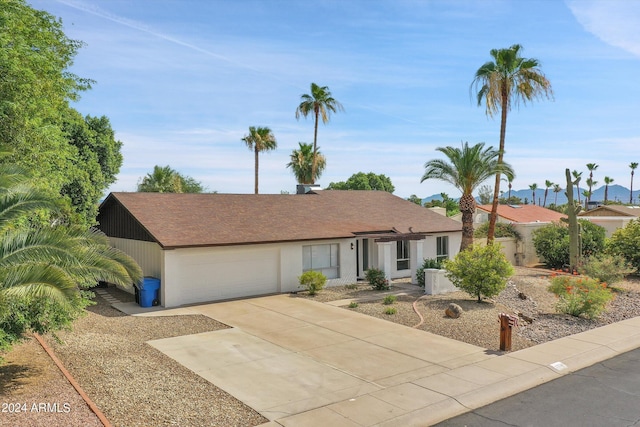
(223, 273)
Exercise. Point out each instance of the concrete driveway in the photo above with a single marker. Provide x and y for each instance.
(300, 362)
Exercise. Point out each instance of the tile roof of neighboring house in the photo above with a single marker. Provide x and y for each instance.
(613, 210)
(182, 220)
(525, 213)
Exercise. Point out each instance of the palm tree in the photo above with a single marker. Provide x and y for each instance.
(591, 167)
(301, 163)
(163, 179)
(547, 185)
(259, 139)
(556, 189)
(533, 188)
(507, 80)
(510, 183)
(607, 181)
(633, 166)
(321, 104)
(577, 176)
(590, 183)
(466, 169)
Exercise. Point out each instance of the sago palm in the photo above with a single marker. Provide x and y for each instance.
(258, 140)
(467, 167)
(301, 163)
(321, 104)
(502, 83)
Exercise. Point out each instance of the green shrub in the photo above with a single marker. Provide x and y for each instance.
(625, 242)
(503, 229)
(390, 310)
(480, 270)
(608, 269)
(552, 242)
(353, 304)
(377, 279)
(312, 281)
(389, 299)
(580, 296)
(427, 263)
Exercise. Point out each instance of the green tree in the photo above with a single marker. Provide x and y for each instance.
(480, 271)
(321, 104)
(364, 181)
(258, 140)
(577, 176)
(301, 164)
(547, 184)
(533, 187)
(552, 242)
(415, 199)
(633, 166)
(466, 169)
(484, 194)
(590, 182)
(556, 189)
(501, 83)
(625, 242)
(44, 270)
(163, 179)
(607, 182)
(452, 207)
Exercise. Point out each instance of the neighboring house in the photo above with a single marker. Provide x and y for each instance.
(611, 217)
(525, 219)
(207, 247)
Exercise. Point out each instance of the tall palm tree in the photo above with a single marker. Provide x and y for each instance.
(259, 139)
(633, 166)
(466, 169)
(590, 182)
(510, 184)
(607, 181)
(301, 163)
(556, 189)
(503, 82)
(547, 185)
(577, 176)
(163, 179)
(321, 104)
(533, 187)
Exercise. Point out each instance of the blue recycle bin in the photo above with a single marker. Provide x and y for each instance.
(149, 292)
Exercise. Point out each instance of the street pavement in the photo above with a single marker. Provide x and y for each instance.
(606, 394)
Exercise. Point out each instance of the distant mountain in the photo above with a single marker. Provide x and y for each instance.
(617, 193)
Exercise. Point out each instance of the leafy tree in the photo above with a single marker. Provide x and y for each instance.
(447, 202)
(503, 229)
(547, 185)
(607, 182)
(484, 194)
(44, 270)
(480, 271)
(625, 242)
(301, 164)
(415, 199)
(633, 166)
(466, 169)
(163, 179)
(506, 80)
(364, 181)
(321, 104)
(552, 242)
(533, 187)
(258, 140)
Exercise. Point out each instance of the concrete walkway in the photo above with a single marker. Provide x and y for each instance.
(303, 363)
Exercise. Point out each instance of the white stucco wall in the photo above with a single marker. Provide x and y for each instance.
(148, 255)
(609, 223)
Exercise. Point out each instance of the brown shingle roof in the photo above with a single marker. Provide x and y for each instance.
(525, 213)
(181, 220)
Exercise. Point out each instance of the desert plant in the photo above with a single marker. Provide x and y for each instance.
(377, 279)
(312, 281)
(389, 299)
(625, 242)
(427, 263)
(390, 310)
(480, 270)
(353, 304)
(580, 296)
(606, 268)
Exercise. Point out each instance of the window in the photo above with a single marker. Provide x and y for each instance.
(402, 255)
(322, 258)
(442, 248)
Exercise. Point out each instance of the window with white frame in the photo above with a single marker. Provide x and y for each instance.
(402, 255)
(442, 248)
(322, 258)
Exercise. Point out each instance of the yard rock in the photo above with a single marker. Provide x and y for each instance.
(453, 310)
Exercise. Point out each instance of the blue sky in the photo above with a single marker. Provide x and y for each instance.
(182, 80)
